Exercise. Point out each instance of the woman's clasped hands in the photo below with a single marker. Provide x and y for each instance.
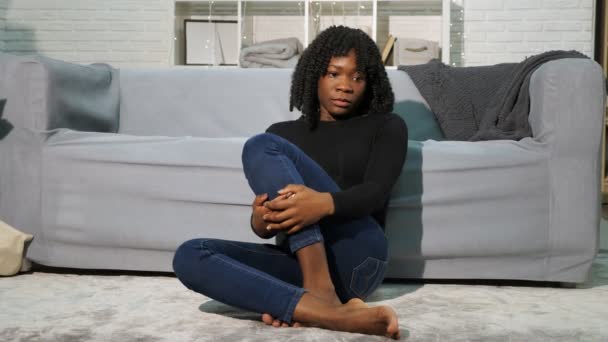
(296, 207)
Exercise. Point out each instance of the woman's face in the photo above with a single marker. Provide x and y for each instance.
(341, 89)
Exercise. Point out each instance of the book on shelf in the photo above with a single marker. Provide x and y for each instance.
(388, 47)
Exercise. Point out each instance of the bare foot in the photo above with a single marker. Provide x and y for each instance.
(269, 320)
(354, 316)
(326, 294)
(357, 303)
(354, 303)
(359, 318)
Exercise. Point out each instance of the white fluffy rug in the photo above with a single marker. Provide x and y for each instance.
(46, 306)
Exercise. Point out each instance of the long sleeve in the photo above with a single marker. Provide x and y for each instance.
(383, 167)
(363, 155)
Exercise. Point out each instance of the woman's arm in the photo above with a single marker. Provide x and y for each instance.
(258, 225)
(298, 206)
(308, 206)
(383, 168)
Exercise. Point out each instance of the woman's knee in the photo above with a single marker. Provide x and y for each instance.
(188, 253)
(259, 143)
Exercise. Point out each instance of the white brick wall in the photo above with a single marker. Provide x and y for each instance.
(136, 32)
(120, 32)
(3, 4)
(499, 31)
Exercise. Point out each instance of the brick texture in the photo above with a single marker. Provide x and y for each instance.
(510, 30)
(120, 32)
(138, 32)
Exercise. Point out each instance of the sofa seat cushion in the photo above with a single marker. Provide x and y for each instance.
(464, 199)
(128, 191)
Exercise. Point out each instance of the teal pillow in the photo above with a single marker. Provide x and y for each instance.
(404, 217)
(421, 122)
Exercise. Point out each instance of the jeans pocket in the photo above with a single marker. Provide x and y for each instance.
(367, 277)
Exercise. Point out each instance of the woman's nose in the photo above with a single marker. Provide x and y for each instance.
(345, 86)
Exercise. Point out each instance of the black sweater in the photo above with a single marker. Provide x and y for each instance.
(364, 155)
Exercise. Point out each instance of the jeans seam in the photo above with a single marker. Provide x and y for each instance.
(352, 279)
(306, 242)
(261, 275)
(229, 261)
(287, 317)
(251, 250)
(285, 161)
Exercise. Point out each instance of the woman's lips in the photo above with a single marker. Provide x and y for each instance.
(341, 102)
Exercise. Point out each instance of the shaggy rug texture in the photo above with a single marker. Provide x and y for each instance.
(60, 306)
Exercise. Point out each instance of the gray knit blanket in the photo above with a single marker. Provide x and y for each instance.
(481, 103)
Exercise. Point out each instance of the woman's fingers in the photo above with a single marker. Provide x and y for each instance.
(279, 216)
(279, 203)
(287, 224)
(259, 199)
(295, 229)
(292, 188)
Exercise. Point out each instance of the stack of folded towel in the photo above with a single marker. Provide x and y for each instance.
(278, 53)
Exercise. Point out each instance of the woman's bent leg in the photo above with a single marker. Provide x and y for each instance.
(204, 266)
(254, 277)
(357, 253)
(271, 162)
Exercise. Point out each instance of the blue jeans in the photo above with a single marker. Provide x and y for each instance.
(267, 278)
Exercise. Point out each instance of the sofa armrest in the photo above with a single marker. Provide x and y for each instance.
(567, 114)
(45, 94)
(567, 106)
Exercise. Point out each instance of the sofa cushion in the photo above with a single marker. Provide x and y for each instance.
(413, 108)
(421, 123)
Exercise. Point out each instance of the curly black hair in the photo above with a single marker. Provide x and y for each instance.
(337, 41)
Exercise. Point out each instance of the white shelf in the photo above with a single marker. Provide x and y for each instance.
(235, 10)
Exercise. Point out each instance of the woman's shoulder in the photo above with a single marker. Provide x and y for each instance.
(392, 117)
(389, 119)
(282, 126)
(393, 125)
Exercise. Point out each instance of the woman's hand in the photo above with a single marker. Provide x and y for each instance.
(257, 221)
(297, 206)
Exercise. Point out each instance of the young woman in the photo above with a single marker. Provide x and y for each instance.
(323, 182)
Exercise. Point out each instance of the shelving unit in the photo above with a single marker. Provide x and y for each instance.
(304, 19)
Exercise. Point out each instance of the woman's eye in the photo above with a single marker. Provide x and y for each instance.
(332, 74)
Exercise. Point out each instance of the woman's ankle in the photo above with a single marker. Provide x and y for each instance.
(326, 293)
(313, 264)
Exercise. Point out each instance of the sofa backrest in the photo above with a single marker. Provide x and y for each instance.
(217, 102)
(42, 93)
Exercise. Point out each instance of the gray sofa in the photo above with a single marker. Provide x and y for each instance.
(113, 169)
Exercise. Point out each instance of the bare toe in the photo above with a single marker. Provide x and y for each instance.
(297, 325)
(266, 318)
(392, 328)
(284, 325)
(276, 323)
